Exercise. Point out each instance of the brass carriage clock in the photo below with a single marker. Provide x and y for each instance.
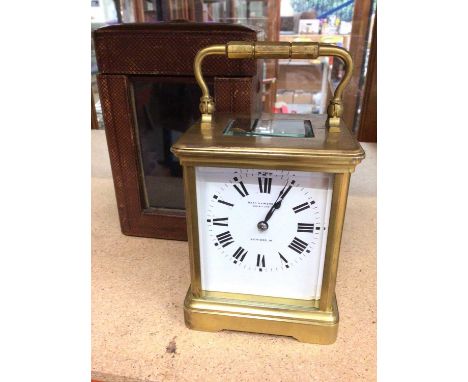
(266, 198)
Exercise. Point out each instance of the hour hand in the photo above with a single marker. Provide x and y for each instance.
(263, 225)
(273, 208)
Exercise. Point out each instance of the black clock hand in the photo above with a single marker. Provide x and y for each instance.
(275, 205)
(270, 213)
(263, 225)
(283, 194)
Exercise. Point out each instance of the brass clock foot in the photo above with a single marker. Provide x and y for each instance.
(305, 325)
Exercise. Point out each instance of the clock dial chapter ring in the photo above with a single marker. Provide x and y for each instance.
(250, 197)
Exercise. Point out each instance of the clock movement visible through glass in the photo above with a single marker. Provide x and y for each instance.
(263, 232)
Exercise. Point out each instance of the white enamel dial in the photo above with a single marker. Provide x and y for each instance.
(263, 232)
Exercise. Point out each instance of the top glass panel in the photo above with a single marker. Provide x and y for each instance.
(286, 128)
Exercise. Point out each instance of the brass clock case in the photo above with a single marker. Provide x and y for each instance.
(332, 149)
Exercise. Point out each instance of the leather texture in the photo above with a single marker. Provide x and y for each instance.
(123, 152)
(161, 50)
(237, 94)
(169, 48)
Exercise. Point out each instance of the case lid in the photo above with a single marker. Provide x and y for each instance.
(169, 48)
(214, 144)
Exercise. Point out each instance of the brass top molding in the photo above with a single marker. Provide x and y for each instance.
(276, 50)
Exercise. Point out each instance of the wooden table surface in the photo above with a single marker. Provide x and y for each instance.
(139, 284)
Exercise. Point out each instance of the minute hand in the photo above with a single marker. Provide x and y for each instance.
(281, 197)
(263, 225)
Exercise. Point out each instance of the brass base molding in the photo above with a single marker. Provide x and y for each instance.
(306, 324)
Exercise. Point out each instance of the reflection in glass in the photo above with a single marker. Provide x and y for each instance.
(165, 108)
(270, 127)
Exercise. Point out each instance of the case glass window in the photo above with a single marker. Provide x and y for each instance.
(164, 109)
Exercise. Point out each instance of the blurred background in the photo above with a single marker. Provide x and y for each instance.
(289, 86)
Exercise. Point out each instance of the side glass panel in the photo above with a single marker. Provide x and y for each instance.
(164, 109)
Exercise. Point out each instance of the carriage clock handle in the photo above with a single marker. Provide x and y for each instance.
(291, 50)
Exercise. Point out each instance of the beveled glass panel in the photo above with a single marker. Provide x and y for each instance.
(270, 127)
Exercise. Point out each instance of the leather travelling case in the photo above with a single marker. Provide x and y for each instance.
(149, 97)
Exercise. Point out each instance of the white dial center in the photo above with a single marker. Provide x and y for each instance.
(284, 258)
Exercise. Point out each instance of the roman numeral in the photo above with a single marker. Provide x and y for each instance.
(301, 207)
(225, 238)
(305, 227)
(283, 260)
(226, 203)
(222, 201)
(220, 221)
(265, 185)
(243, 192)
(298, 245)
(239, 255)
(260, 262)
